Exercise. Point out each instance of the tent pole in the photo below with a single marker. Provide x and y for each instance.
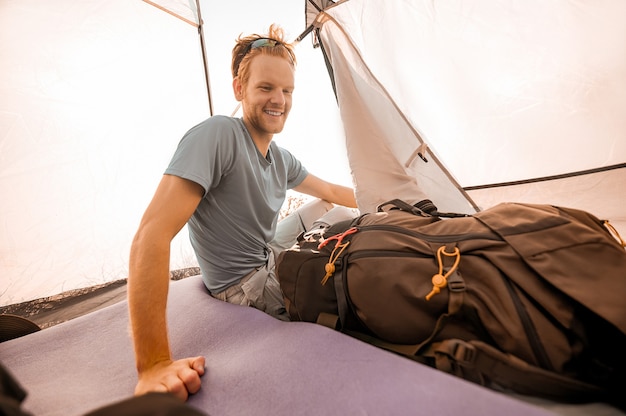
(204, 57)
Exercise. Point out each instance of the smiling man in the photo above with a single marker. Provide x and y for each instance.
(227, 180)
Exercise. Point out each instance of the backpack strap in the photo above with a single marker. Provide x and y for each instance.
(424, 208)
(405, 206)
(480, 362)
(328, 320)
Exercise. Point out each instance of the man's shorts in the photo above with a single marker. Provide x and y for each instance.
(260, 288)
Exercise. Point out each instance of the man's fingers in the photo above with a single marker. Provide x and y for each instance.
(180, 378)
(187, 380)
(191, 379)
(177, 387)
(198, 364)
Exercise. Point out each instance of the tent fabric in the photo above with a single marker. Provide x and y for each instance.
(94, 97)
(255, 365)
(513, 100)
(505, 101)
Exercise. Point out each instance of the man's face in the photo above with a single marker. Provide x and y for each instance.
(266, 98)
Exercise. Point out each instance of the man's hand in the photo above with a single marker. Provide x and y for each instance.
(180, 377)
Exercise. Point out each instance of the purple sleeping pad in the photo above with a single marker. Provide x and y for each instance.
(256, 365)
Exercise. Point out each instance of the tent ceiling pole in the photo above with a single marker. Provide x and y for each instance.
(329, 66)
(204, 57)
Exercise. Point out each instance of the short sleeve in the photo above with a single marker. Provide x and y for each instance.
(296, 172)
(205, 153)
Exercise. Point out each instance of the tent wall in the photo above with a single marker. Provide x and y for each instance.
(504, 93)
(88, 121)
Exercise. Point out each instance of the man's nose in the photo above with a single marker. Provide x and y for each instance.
(278, 97)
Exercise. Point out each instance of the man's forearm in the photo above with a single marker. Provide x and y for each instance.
(148, 285)
(345, 196)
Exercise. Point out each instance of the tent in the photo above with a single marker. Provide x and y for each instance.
(504, 100)
(474, 103)
(485, 103)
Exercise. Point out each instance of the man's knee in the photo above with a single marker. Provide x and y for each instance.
(297, 222)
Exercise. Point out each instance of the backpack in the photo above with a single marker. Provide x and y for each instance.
(521, 297)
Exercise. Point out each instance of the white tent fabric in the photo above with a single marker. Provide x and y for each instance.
(497, 96)
(515, 100)
(89, 117)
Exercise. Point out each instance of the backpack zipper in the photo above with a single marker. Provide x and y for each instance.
(448, 238)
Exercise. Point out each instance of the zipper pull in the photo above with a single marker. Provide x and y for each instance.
(338, 237)
(329, 267)
(440, 280)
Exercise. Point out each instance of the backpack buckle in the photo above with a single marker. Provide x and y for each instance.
(454, 352)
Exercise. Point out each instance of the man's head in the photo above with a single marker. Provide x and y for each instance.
(263, 80)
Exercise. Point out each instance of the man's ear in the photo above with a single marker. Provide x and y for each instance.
(237, 89)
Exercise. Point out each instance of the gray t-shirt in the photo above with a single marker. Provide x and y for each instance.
(244, 192)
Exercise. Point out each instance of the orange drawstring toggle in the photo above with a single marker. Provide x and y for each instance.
(440, 280)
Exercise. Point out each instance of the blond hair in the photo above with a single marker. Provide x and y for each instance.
(243, 53)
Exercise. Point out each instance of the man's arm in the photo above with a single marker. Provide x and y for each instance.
(173, 203)
(319, 188)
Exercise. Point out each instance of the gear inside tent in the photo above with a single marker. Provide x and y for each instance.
(474, 103)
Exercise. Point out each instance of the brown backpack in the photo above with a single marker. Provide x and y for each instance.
(523, 297)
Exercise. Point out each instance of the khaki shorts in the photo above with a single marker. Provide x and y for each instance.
(259, 289)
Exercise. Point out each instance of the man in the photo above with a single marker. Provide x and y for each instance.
(227, 180)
